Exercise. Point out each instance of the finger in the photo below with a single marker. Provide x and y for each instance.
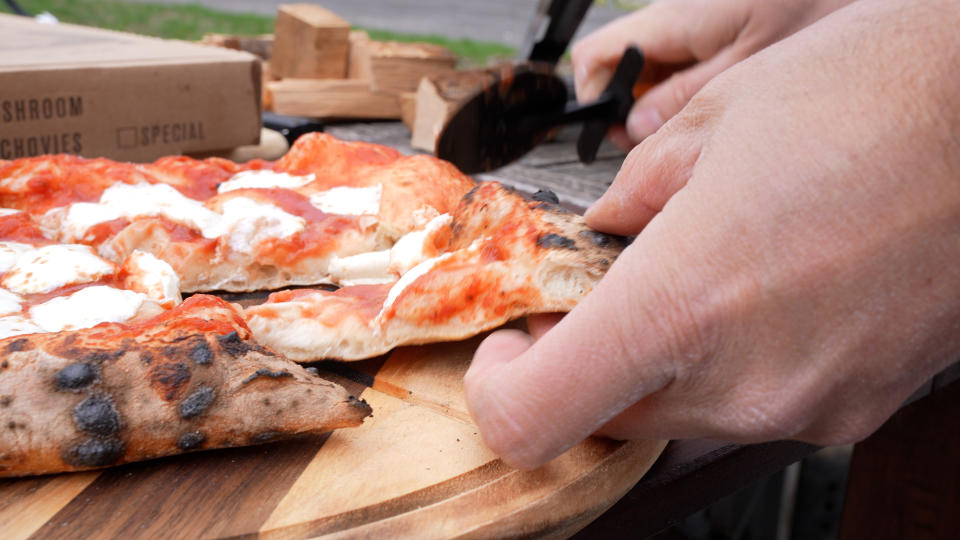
(677, 32)
(650, 175)
(618, 137)
(539, 324)
(666, 99)
(500, 347)
(610, 351)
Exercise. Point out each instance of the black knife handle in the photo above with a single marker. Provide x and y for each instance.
(565, 18)
(619, 93)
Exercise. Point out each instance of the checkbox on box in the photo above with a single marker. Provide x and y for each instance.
(127, 137)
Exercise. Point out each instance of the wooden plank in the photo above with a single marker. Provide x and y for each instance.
(331, 98)
(408, 108)
(309, 42)
(397, 67)
(25, 505)
(417, 459)
(358, 63)
(260, 46)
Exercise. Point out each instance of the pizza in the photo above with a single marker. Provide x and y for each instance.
(497, 258)
(103, 362)
(230, 227)
(190, 378)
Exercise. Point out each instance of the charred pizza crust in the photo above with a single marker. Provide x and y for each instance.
(189, 379)
(507, 257)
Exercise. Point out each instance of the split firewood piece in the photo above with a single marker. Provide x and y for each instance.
(358, 65)
(260, 46)
(331, 98)
(408, 108)
(398, 67)
(310, 42)
(439, 97)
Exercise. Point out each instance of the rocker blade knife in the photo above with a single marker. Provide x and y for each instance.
(519, 106)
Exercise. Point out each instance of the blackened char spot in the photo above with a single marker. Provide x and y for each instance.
(555, 241)
(170, 377)
(197, 403)
(99, 357)
(96, 415)
(5, 401)
(264, 372)
(94, 453)
(202, 354)
(603, 240)
(547, 196)
(360, 404)
(264, 437)
(75, 376)
(18, 345)
(469, 195)
(233, 344)
(191, 440)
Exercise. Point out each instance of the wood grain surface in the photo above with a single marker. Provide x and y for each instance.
(416, 469)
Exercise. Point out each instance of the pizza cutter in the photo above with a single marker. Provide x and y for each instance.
(522, 104)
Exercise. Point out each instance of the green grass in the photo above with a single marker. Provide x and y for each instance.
(191, 22)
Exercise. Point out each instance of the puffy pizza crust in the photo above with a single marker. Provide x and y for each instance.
(189, 379)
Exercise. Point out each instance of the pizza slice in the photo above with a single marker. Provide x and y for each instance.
(190, 378)
(49, 287)
(225, 226)
(499, 257)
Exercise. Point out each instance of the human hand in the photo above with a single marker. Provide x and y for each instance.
(795, 271)
(685, 43)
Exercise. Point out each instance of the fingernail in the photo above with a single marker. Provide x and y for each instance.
(643, 123)
(599, 207)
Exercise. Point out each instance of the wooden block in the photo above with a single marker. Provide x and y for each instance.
(331, 98)
(310, 42)
(358, 66)
(398, 67)
(260, 46)
(438, 97)
(408, 108)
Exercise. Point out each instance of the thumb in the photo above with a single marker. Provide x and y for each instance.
(533, 401)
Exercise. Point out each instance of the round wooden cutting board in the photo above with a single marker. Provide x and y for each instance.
(416, 469)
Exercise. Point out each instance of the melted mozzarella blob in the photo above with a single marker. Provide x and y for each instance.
(153, 277)
(86, 308)
(264, 179)
(349, 201)
(46, 268)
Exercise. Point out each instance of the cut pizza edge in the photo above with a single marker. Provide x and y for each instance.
(505, 257)
(191, 378)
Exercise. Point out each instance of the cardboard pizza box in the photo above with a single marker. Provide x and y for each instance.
(79, 90)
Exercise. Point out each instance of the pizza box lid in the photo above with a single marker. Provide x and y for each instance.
(73, 89)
